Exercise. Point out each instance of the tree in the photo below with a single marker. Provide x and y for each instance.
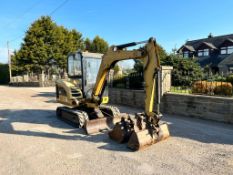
(45, 41)
(65, 43)
(18, 65)
(185, 71)
(98, 45)
(161, 52)
(138, 65)
(87, 44)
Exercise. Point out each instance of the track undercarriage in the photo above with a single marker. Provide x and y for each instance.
(93, 120)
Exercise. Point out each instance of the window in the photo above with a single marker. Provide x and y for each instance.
(185, 54)
(199, 53)
(204, 52)
(226, 50)
(231, 69)
(74, 65)
(230, 50)
(223, 50)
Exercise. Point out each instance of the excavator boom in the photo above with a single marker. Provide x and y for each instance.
(151, 67)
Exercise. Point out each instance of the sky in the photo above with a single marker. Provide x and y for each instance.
(171, 22)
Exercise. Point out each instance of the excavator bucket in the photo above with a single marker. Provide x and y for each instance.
(100, 124)
(119, 134)
(136, 132)
(141, 139)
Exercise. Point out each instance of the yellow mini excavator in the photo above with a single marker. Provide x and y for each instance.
(76, 94)
(86, 109)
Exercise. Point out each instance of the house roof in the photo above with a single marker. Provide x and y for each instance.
(228, 60)
(210, 45)
(213, 41)
(212, 61)
(229, 39)
(226, 42)
(190, 48)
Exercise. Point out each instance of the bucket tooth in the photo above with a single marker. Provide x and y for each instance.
(143, 138)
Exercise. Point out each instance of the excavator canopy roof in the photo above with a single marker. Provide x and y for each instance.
(90, 55)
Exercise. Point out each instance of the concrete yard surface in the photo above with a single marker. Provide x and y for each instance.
(34, 141)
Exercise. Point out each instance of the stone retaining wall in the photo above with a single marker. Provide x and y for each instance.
(33, 84)
(25, 84)
(32, 81)
(200, 106)
(206, 107)
(127, 97)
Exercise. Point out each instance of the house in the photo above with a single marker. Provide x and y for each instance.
(213, 52)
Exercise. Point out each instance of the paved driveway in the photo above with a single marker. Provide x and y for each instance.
(34, 141)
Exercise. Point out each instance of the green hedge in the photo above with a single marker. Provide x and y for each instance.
(4, 74)
(230, 78)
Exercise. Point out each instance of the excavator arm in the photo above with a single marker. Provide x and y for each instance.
(151, 64)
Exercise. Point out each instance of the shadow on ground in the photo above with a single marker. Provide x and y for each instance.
(45, 94)
(189, 128)
(48, 118)
(50, 96)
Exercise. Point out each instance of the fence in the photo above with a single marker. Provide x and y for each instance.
(135, 81)
(182, 82)
(130, 81)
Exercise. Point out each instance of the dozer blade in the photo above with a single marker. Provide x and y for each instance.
(97, 125)
(141, 139)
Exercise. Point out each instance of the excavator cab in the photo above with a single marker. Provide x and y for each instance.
(82, 69)
(76, 92)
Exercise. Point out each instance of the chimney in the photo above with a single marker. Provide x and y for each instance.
(210, 35)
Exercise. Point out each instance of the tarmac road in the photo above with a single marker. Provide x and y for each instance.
(34, 141)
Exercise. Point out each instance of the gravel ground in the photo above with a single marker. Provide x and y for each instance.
(34, 141)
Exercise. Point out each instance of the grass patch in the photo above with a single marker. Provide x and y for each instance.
(180, 90)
